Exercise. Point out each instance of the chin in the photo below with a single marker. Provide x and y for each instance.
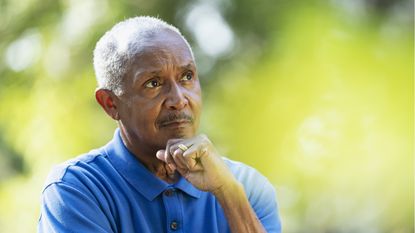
(179, 132)
(182, 134)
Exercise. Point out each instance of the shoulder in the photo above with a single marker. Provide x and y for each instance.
(75, 170)
(74, 196)
(247, 175)
(260, 193)
(258, 188)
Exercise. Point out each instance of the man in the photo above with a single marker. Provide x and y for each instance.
(157, 174)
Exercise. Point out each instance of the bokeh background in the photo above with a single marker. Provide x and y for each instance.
(317, 95)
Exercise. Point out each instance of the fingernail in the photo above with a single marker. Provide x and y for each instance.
(159, 155)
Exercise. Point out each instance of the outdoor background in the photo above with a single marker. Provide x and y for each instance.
(317, 95)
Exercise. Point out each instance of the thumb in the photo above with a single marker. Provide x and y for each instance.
(161, 155)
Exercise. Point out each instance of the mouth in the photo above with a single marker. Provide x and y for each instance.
(175, 123)
(175, 120)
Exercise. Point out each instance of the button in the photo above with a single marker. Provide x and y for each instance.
(174, 225)
(169, 192)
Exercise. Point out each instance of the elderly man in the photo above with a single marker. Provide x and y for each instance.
(157, 174)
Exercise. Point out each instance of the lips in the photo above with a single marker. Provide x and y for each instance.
(175, 123)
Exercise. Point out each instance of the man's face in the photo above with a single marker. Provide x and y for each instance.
(162, 96)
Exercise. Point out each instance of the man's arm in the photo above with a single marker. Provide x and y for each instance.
(197, 160)
(237, 209)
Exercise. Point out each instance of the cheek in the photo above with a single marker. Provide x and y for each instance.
(149, 111)
(137, 110)
(195, 99)
(198, 96)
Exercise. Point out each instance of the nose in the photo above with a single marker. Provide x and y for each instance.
(176, 100)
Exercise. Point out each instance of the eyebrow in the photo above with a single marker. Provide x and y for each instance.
(140, 73)
(189, 66)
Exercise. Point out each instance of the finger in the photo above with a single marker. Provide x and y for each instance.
(170, 171)
(163, 156)
(179, 148)
(169, 152)
(171, 143)
(179, 160)
(169, 160)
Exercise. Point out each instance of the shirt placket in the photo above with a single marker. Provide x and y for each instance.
(174, 220)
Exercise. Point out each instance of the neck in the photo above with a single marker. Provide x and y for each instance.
(147, 156)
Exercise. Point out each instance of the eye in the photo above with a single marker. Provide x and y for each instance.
(187, 76)
(153, 83)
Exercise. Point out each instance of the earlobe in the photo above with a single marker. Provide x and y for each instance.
(106, 99)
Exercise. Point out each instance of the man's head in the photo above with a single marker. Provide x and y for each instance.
(147, 81)
(113, 52)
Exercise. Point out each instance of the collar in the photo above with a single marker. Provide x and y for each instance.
(138, 175)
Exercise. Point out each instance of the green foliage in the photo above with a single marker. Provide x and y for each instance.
(316, 95)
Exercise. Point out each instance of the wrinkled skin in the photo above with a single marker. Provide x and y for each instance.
(159, 108)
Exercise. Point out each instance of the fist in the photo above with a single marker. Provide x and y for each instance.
(198, 162)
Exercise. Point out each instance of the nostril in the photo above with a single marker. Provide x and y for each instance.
(177, 103)
(176, 99)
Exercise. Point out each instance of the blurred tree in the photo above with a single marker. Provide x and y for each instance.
(306, 80)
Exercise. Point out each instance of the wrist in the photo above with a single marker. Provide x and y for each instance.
(228, 190)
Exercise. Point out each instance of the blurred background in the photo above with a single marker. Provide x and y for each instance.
(317, 95)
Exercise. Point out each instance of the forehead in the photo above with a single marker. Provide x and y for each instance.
(164, 50)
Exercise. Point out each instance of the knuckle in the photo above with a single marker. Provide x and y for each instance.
(204, 145)
(178, 151)
(188, 154)
(172, 150)
(168, 158)
(172, 141)
(175, 157)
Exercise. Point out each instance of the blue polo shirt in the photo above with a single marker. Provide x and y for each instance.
(109, 190)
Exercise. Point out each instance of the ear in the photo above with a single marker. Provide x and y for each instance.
(106, 99)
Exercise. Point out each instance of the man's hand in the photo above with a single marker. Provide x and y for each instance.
(198, 162)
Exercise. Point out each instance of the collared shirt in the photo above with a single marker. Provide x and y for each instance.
(109, 190)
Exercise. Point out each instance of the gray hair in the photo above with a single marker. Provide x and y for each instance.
(114, 51)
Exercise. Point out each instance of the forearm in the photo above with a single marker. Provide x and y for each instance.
(238, 211)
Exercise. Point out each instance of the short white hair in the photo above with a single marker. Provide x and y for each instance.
(114, 51)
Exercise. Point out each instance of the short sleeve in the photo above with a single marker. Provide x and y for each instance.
(261, 194)
(66, 208)
(264, 203)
